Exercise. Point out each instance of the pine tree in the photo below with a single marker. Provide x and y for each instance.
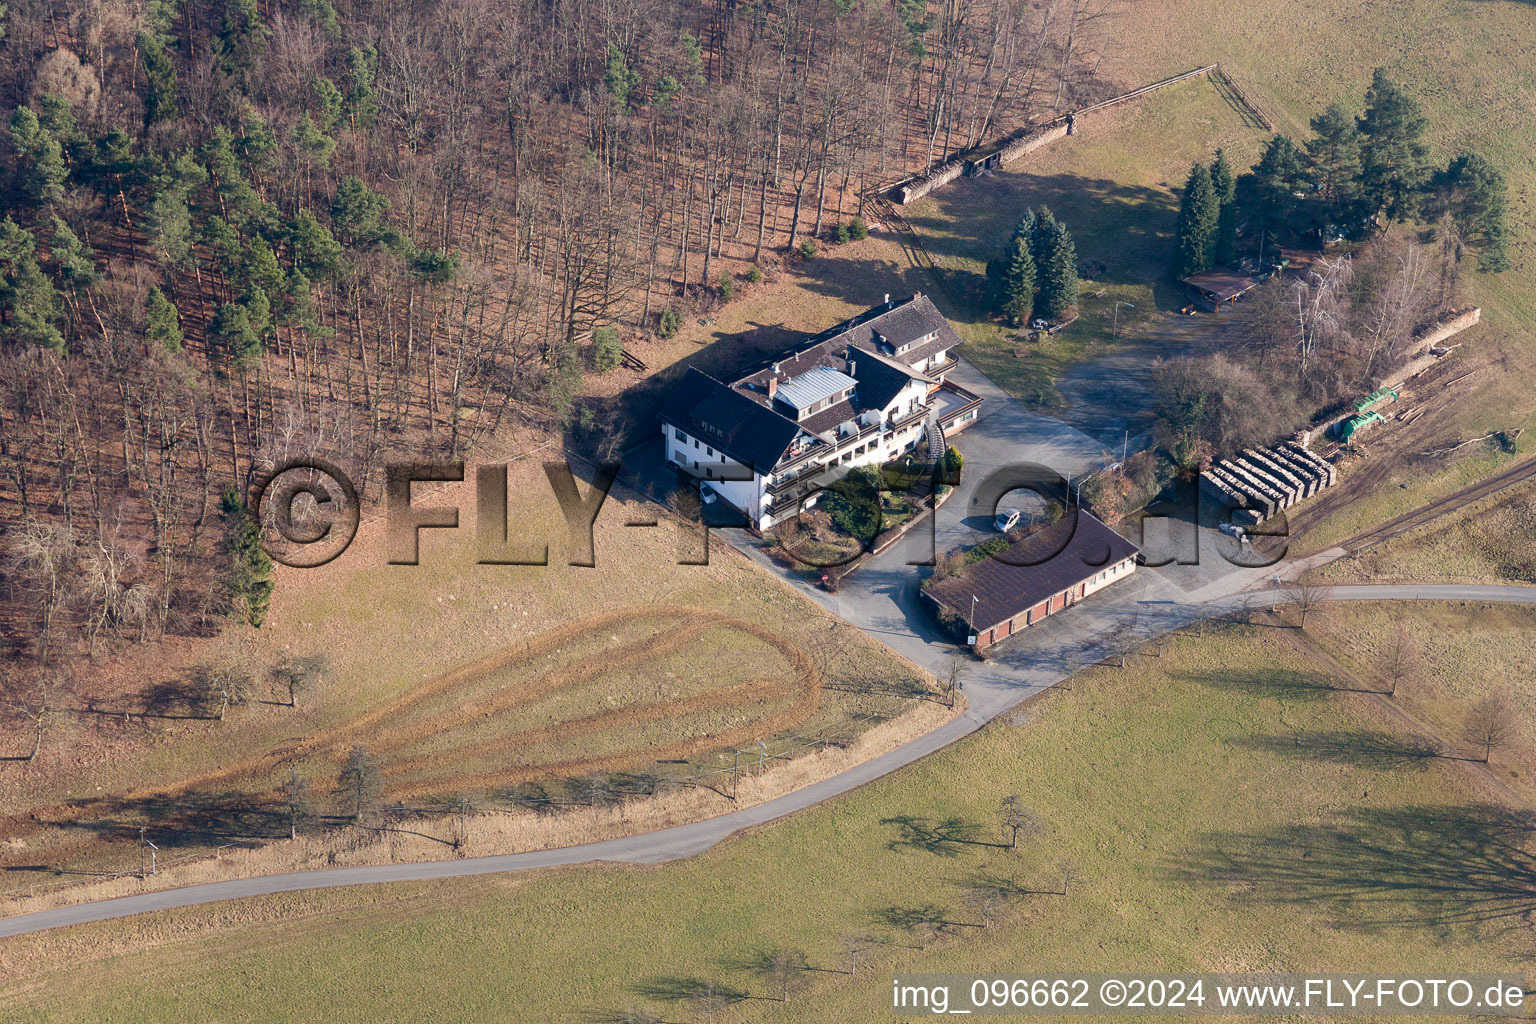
(1018, 281)
(362, 101)
(1473, 191)
(1058, 283)
(1333, 164)
(358, 212)
(159, 80)
(619, 78)
(43, 171)
(168, 224)
(1393, 157)
(163, 321)
(29, 306)
(261, 270)
(1224, 185)
(232, 335)
(75, 260)
(1198, 217)
(248, 573)
(315, 250)
(330, 101)
(242, 36)
(1269, 191)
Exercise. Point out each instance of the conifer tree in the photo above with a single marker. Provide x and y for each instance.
(1472, 190)
(164, 321)
(159, 80)
(1198, 217)
(1224, 185)
(1333, 164)
(29, 305)
(248, 572)
(1018, 281)
(1393, 157)
(1058, 282)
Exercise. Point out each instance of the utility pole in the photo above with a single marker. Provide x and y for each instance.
(973, 618)
(1125, 448)
(149, 850)
(1118, 303)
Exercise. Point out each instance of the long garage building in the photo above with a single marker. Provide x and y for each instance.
(1038, 575)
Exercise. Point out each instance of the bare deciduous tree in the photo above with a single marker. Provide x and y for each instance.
(1307, 598)
(1402, 660)
(1018, 820)
(298, 803)
(784, 970)
(300, 675)
(359, 783)
(1490, 722)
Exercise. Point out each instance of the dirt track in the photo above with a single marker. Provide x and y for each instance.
(804, 685)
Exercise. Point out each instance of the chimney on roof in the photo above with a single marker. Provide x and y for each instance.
(887, 300)
(773, 384)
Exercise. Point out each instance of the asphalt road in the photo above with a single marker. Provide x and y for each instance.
(684, 840)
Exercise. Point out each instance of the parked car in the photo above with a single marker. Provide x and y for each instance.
(1006, 520)
(1237, 533)
(707, 494)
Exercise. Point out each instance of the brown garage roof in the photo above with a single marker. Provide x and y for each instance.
(1221, 284)
(1038, 567)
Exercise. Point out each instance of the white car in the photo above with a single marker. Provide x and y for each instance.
(1006, 520)
(707, 493)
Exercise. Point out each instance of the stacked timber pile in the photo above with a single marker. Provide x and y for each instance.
(1262, 481)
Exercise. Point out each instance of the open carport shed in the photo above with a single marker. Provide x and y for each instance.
(1219, 286)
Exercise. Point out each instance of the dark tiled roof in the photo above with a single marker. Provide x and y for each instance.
(902, 323)
(716, 414)
(879, 381)
(1038, 567)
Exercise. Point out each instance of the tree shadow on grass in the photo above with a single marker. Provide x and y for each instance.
(681, 989)
(185, 820)
(1380, 869)
(1360, 748)
(942, 838)
(1282, 684)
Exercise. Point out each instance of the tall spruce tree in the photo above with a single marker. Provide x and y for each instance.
(1224, 249)
(1198, 216)
(1018, 283)
(248, 572)
(1058, 280)
(1394, 160)
(1043, 232)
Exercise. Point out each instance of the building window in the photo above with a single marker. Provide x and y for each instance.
(695, 443)
(679, 435)
(709, 451)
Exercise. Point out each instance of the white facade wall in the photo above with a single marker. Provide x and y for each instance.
(748, 490)
(1110, 574)
(733, 481)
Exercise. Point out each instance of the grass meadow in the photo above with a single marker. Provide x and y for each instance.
(1203, 826)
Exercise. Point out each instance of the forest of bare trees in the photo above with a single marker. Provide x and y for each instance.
(244, 230)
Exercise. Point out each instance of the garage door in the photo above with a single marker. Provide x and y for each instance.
(1058, 602)
(1038, 612)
